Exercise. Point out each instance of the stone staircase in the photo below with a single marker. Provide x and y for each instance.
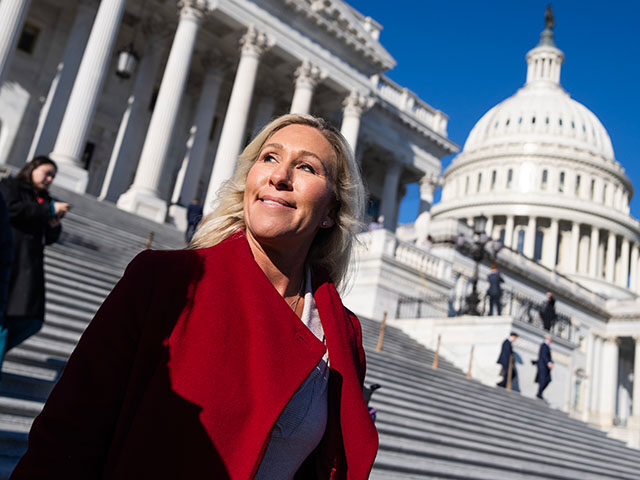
(433, 424)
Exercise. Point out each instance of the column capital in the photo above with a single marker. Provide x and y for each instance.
(357, 103)
(194, 9)
(308, 75)
(255, 43)
(614, 340)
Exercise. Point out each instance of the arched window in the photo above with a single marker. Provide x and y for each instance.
(537, 248)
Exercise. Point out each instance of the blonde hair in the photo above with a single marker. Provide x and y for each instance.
(332, 247)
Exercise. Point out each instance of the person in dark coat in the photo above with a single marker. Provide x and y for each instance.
(194, 215)
(544, 364)
(548, 312)
(495, 290)
(35, 222)
(506, 353)
(6, 256)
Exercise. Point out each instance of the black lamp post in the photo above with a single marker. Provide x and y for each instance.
(475, 248)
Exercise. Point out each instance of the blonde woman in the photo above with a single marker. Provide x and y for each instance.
(234, 358)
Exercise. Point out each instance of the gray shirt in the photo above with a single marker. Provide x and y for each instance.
(302, 423)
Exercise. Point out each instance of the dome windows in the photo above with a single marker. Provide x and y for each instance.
(509, 178)
(561, 183)
(494, 176)
(533, 120)
(544, 180)
(577, 186)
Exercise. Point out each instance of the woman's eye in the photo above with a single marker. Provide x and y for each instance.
(268, 158)
(308, 168)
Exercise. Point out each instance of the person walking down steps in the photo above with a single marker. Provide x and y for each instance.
(506, 353)
(544, 365)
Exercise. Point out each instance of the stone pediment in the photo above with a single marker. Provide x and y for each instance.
(358, 32)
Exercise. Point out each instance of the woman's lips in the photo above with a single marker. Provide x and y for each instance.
(276, 202)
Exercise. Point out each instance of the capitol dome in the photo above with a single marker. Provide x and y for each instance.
(541, 112)
(540, 166)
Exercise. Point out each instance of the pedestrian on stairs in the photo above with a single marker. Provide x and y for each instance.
(6, 258)
(506, 358)
(495, 290)
(35, 222)
(194, 215)
(234, 358)
(544, 365)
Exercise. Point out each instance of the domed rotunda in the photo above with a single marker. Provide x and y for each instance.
(541, 168)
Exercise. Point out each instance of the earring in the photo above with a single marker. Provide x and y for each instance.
(325, 223)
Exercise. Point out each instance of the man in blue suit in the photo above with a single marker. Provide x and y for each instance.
(544, 364)
(506, 352)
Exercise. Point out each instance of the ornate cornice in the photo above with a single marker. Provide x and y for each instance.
(308, 75)
(194, 9)
(255, 43)
(356, 104)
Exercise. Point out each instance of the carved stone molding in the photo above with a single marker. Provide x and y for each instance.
(356, 104)
(308, 75)
(255, 43)
(192, 8)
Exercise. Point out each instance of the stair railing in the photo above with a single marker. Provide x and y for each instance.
(470, 362)
(381, 332)
(509, 372)
(436, 355)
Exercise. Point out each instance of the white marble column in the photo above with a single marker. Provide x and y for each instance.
(593, 252)
(354, 106)
(609, 383)
(83, 100)
(307, 77)
(572, 267)
(623, 272)
(389, 203)
(610, 262)
(187, 181)
(52, 111)
(633, 274)
(508, 232)
(489, 227)
(254, 44)
(126, 148)
(530, 238)
(13, 14)
(264, 113)
(143, 196)
(428, 185)
(550, 251)
(634, 420)
(596, 377)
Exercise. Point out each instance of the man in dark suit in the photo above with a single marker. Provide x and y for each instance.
(544, 364)
(506, 353)
(495, 290)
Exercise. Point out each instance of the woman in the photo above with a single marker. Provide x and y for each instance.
(35, 222)
(212, 362)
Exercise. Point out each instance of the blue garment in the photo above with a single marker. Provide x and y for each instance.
(506, 353)
(543, 377)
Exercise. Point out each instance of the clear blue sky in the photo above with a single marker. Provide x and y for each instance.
(464, 57)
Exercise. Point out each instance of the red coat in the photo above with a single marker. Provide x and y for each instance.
(185, 369)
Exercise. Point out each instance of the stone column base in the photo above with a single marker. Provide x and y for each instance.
(178, 217)
(602, 420)
(633, 422)
(71, 177)
(143, 204)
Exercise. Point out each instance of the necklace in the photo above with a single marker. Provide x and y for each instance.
(293, 304)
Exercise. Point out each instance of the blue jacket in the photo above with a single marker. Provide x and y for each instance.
(544, 358)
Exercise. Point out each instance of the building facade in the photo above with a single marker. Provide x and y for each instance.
(209, 75)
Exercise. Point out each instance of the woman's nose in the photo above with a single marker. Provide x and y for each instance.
(281, 176)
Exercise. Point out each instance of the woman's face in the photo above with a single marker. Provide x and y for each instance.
(42, 176)
(288, 194)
